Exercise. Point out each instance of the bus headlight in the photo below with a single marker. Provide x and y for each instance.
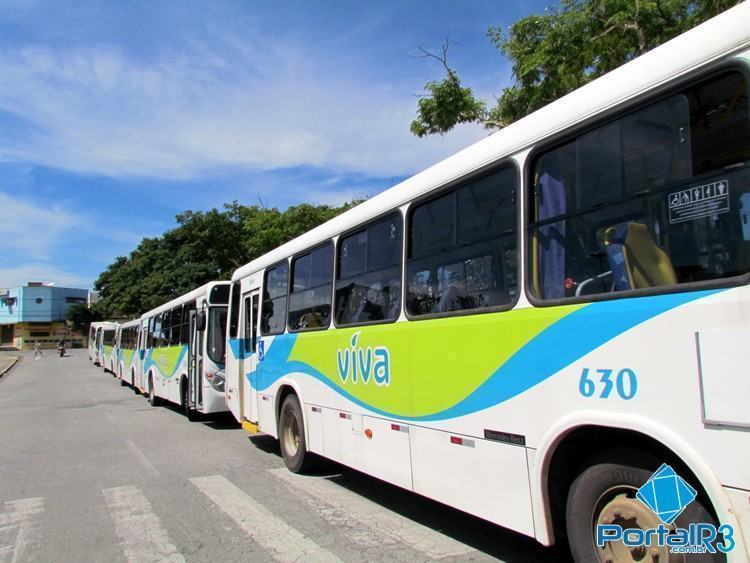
(217, 380)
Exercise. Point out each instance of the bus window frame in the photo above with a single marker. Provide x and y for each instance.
(292, 259)
(285, 330)
(490, 168)
(637, 103)
(344, 234)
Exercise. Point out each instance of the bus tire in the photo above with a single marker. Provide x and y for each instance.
(292, 436)
(190, 414)
(153, 400)
(604, 493)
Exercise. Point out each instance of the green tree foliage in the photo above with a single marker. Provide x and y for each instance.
(554, 53)
(80, 316)
(205, 246)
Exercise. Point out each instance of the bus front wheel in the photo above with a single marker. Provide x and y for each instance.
(605, 494)
(292, 436)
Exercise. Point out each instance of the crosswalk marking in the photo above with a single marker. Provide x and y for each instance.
(370, 514)
(17, 526)
(138, 527)
(281, 541)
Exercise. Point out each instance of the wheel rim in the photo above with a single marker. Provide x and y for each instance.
(291, 434)
(619, 506)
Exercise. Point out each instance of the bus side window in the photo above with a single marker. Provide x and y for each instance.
(368, 276)
(310, 295)
(458, 244)
(234, 311)
(273, 309)
(646, 200)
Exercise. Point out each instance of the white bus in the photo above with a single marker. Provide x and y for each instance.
(527, 330)
(97, 338)
(127, 352)
(183, 345)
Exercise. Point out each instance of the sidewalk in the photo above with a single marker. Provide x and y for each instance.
(8, 360)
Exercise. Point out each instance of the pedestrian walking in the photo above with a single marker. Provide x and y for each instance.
(38, 350)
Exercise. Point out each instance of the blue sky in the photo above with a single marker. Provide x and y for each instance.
(115, 116)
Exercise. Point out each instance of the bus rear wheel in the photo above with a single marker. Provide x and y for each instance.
(153, 400)
(292, 436)
(605, 494)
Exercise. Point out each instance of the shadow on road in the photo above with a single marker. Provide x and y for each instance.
(483, 536)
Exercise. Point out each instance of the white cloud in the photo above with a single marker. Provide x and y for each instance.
(39, 271)
(248, 103)
(33, 232)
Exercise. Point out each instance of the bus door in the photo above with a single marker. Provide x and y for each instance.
(249, 380)
(198, 322)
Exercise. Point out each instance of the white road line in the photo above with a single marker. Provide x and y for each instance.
(141, 536)
(142, 458)
(373, 516)
(18, 523)
(281, 541)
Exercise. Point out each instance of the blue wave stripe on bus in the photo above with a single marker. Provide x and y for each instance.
(150, 362)
(561, 344)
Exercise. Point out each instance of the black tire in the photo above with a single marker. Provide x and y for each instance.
(123, 383)
(190, 414)
(602, 487)
(292, 437)
(153, 400)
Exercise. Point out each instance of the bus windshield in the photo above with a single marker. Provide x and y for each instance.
(217, 322)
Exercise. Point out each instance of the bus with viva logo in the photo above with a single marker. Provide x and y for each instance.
(545, 330)
(183, 349)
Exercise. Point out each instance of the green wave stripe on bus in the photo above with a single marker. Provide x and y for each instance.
(167, 359)
(108, 350)
(127, 358)
(433, 353)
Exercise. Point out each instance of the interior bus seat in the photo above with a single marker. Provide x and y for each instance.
(635, 259)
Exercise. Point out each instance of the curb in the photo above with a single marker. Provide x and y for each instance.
(10, 367)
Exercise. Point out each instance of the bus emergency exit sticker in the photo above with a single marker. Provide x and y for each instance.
(701, 201)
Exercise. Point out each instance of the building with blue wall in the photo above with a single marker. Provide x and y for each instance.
(36, 312)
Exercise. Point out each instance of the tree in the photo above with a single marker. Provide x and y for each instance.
(555, 53)
(80, 316)
(205, 246)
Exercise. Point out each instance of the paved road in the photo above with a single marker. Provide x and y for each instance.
(90, 472)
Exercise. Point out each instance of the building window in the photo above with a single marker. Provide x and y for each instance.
(75, 300)
(39, 300)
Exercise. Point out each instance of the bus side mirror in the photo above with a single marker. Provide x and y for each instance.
(200, 321)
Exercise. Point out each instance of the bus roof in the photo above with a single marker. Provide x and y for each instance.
(202, 291)
(723, 35)
(130, 324)
(104, 324)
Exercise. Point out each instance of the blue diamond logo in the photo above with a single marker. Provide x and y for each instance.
(666, 493)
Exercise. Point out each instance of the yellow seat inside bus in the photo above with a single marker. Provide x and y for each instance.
(646, 265)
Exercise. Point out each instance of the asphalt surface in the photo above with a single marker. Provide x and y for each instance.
(90, 472)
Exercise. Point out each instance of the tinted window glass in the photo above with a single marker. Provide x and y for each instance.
(310, 301)
(216, 341)
(368, 283)
(219, 295)
(234, 311)
(273, 314)
(462, 247)
(646, 200)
